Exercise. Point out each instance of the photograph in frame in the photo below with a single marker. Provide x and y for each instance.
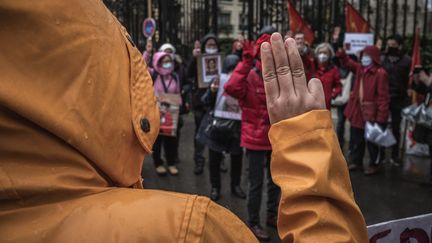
(169, 107)
(209, 68)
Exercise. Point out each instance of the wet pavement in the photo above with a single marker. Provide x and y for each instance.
(394, 193)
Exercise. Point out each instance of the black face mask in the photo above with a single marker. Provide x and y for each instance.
(393, 51)
(238, 52)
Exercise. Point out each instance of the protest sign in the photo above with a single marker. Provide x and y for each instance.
(169, 106)
(403, 230)
(356, 42)
(226, 106)
(209, 68)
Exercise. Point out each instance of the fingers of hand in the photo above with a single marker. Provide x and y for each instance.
(296, 64)
(317, 92)
(283, 70)
(271, 84)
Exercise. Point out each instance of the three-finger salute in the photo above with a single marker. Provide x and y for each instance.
(287, 91)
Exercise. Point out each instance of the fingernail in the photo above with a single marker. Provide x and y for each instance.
(276, 37)
(265, 46)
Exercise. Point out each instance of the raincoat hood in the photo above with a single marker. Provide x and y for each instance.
(157, 57)
(70, 125)
(373, 52)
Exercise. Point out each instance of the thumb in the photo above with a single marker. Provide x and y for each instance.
(316, 90)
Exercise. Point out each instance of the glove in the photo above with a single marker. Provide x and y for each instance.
(248, 51)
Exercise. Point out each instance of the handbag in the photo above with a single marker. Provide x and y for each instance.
(368, 108)
(219, 129)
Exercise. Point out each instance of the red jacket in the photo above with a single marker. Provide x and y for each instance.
(308, 64)
(246, 85)
(330, 79)
(375, 90)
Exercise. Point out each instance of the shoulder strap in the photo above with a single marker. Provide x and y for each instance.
(154, 75)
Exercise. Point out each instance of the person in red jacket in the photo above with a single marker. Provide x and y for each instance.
(306, 55)
(327, 72)
(369, 101)
(246, 84)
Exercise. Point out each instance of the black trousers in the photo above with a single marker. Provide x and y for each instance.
(396, 118)
(340, 125)
(170, 146)
(357, 149)
(198, 147)
(215, 159)
(258, 161)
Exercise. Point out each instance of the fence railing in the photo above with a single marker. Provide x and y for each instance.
(181, 22)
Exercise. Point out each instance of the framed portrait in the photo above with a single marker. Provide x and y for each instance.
(169, 107)
(209, 67)
(226, 106)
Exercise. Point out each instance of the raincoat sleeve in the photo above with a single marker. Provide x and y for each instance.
(221, 225)
(317, 203)
(237, 84)
(383, 97)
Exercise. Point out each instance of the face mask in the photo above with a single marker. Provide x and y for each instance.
(211, 50)
(167, 65)
(322, 58)
(366, 61)
(393, 51)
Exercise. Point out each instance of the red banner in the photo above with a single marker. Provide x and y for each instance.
(416, 55)
(416, 61)
(354, 20)
(297, 24)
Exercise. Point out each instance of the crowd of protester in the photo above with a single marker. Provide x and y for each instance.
(372, 86)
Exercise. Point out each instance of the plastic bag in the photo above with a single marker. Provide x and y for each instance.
(376, 135)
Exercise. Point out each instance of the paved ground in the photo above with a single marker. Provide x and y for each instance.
(393, 194)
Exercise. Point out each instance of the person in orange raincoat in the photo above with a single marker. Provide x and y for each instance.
(78, 115)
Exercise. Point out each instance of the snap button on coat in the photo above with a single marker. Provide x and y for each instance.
(145, 125)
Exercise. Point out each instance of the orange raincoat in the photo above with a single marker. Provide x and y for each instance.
(77, 116)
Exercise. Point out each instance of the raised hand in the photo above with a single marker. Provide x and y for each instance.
(149, 46)
(287, 91)
(248, 51)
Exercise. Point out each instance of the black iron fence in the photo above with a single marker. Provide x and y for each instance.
(181, 22)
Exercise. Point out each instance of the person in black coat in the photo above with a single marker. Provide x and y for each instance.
(398, 65)
(229, 141)
(209, 45)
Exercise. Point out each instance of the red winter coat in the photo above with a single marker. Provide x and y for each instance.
(330, 79)
(247, 86)
(375, 89)
(308, 64)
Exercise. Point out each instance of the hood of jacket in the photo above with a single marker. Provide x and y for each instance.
(77, 111)
(206, 38)
(157, 57)
(373, 52)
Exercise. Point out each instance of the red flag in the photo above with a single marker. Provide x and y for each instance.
(354, 20)
(415, 61)
(297, 24)
(416, 58)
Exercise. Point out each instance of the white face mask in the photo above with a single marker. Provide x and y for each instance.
(366, 61)
(211, 50)
(167, 65)
(322, 58)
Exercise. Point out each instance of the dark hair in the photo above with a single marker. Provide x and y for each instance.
(268, 29)
(398, 38)
(166, 104)
(230, 62)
